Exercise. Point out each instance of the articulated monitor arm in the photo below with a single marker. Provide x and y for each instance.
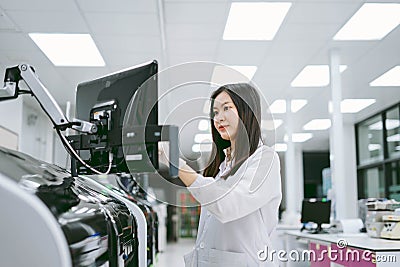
(39, 91)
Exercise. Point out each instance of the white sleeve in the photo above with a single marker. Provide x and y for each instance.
(256, 183)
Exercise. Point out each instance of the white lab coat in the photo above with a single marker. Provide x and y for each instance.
(239, 214)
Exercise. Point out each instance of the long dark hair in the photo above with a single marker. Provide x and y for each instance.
(247, 102)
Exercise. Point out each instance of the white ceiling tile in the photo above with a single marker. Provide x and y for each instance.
(38, 5)
(303, 32)
(291, 55)
(195, 1)
(242, 52)
(322, 12)
(191, 47)
(49, 22)
(81, 74)
(350, 52)
(6, 23)
(175, 59)
(16, 41)
(123, 6)
(128, 43)
(123, 23)
(124, 60)
(32, 57)
(196, 12)
(204, 31)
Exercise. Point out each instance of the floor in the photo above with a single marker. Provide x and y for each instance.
(173, 254)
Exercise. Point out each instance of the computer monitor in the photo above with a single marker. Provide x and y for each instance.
(317, 211)
(110, 95)
(120, 86)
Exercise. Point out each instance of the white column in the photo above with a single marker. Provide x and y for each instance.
(342, 154)
(293, 172)
(299, 176)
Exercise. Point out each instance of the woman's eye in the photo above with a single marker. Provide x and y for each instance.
(226, 108)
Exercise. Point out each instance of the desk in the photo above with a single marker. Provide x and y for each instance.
(334, 250)
(278, 238)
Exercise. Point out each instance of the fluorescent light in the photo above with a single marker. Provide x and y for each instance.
(393, 138)
(232, 74)
(314, 76)
(355, 105)
(204, 125)
(372, 147)
(202, 147)
(280, 147)
(397, 148)
(317, 124)
(389, 78)
(271, 124)
(299, 137)
(297, 104)
(255, 21)
(203, 138)
(279, 105)
(69, 49)
(372, 21)
(390, 125)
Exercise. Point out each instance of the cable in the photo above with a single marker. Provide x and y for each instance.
(73, 153)
(22, 92)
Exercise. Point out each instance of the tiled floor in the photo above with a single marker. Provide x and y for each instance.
(173, 254)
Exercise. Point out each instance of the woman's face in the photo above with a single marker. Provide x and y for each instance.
(226, 118)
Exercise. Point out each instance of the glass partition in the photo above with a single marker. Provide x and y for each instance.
(373, 183)
(392, 124)
(378, 154)
(370, 140)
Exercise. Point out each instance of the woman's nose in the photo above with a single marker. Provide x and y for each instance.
(219, 117)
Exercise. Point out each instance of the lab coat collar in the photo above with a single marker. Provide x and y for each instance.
(227, 151)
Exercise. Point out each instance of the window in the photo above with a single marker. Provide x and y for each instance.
(392, 125)
(378, 155)
(370, 140)
(373, 182)
(394, 188)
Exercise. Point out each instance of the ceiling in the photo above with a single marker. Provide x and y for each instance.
(129, 32)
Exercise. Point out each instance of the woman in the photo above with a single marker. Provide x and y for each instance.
(240, 191)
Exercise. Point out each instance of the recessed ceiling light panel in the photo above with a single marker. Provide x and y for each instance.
(373, 21)
(314, 76)
(77, 50)
(255, 21)
(389, 78)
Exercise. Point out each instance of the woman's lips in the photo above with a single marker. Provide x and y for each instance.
(222, 128)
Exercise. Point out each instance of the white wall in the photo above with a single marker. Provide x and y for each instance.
(11, 116)
(37, 134)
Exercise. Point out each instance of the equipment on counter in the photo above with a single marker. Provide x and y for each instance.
(374, 222)
(383, 204)
(377, 209)
(391, 227)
